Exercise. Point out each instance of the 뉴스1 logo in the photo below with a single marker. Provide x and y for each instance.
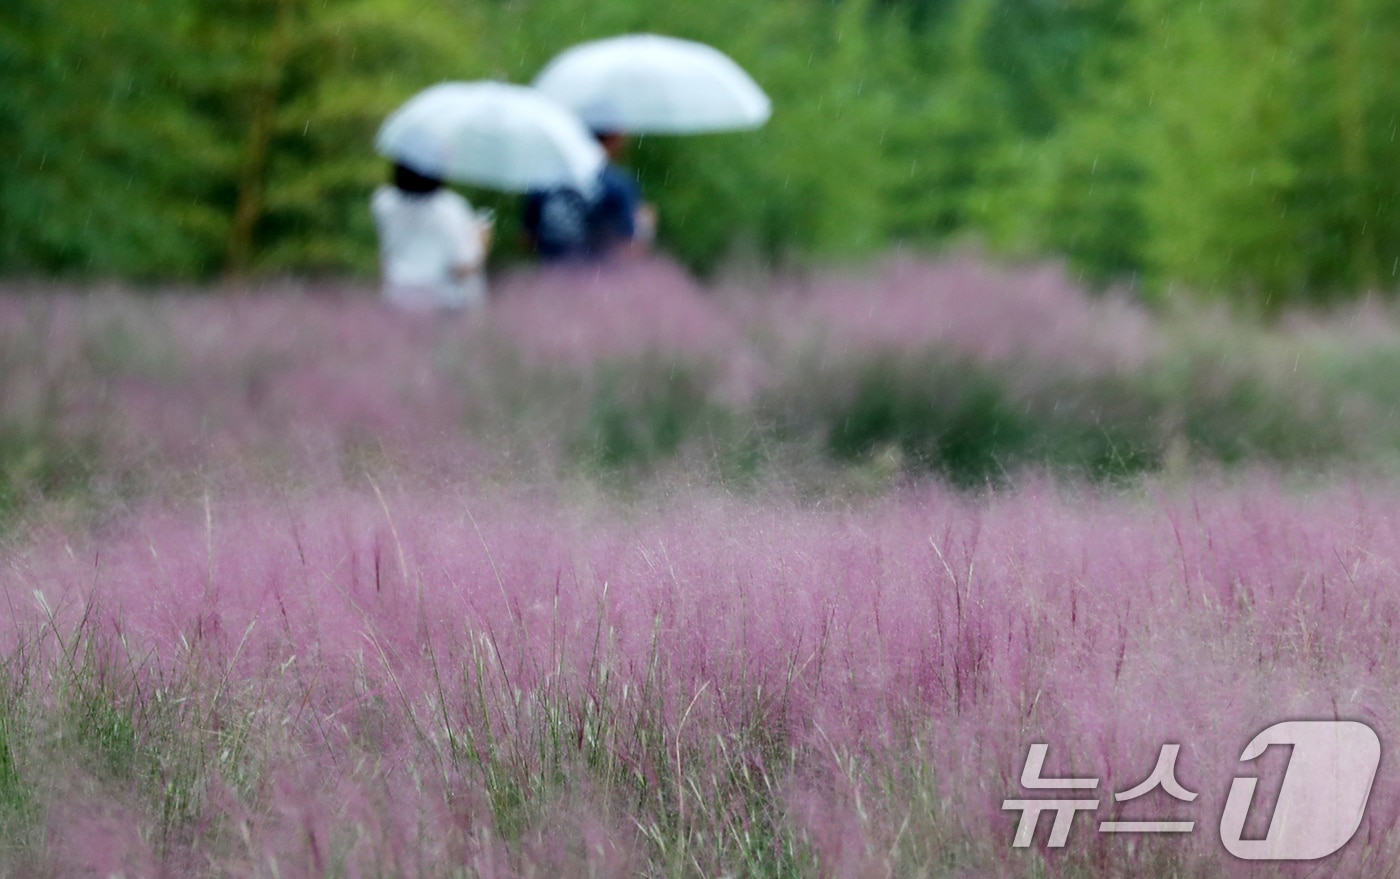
(1325, 790)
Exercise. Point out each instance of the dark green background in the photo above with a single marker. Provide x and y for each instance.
(1242, 148)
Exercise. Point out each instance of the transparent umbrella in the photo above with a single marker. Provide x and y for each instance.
(649, 84)
(491, 134)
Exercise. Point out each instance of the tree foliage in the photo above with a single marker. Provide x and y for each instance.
(1244, 147)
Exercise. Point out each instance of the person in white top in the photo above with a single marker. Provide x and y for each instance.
(432, 248)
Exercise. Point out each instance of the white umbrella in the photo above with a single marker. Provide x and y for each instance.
(491, 134)
(647, 84)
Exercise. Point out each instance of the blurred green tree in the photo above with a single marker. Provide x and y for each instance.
(309, 91)
(112, 170)
(1244, 147)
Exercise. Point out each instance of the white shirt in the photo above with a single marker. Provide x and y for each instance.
(422, 238)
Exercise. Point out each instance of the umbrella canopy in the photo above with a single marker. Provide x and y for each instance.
(649, 84)
(491, 134)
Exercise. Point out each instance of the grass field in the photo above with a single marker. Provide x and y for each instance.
(627, 576)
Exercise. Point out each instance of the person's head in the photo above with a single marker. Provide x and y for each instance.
(613, 142)
(410, 181)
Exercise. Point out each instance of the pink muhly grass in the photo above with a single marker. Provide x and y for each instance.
(204, 379)
(577, 315)
(305, 378)
(94, 838)
(195, 379)
(315, 386)
(437, 631)
(979, 311)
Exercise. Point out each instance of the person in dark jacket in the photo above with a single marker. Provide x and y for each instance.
(563, 224)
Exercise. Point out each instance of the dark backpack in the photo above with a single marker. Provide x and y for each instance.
(560, 220)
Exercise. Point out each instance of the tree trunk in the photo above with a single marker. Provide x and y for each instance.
(252, 178)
